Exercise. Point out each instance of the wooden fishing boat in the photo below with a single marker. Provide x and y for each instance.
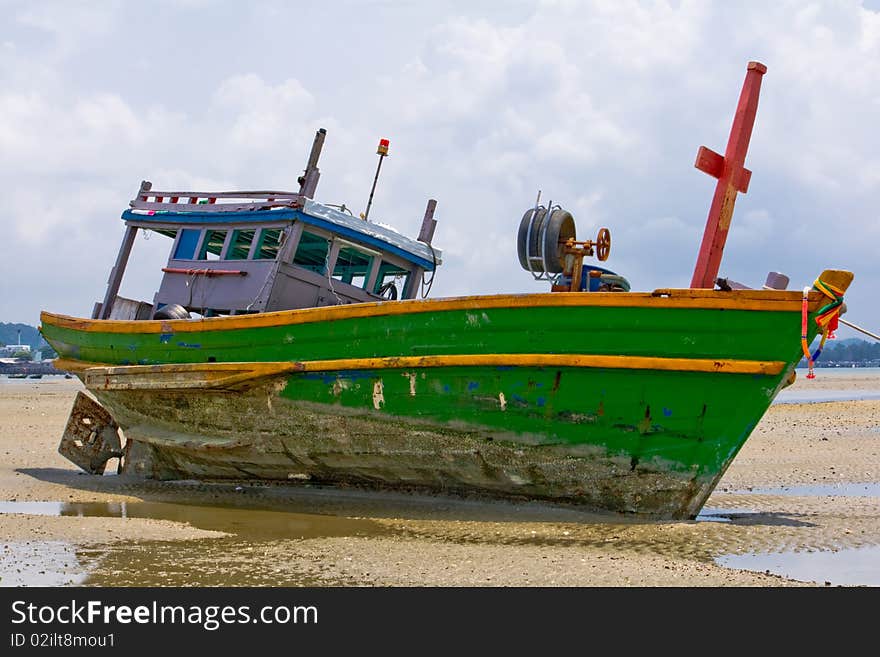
(312, 359)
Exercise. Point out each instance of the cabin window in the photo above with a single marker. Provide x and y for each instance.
(352, 265)
(186, 245)
(390, 274)
(311, 253)
(213, 245)
(240, 246)
(270, 242)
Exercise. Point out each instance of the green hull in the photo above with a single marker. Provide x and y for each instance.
(632, 432)
(637, 331)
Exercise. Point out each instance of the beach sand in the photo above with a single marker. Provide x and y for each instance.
(62, 527)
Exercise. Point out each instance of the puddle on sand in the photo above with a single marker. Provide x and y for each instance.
(40, 563)
(710, 514)
(846, 567)
(822, 396)
(229, 561)
(869, 489)
(246, 523)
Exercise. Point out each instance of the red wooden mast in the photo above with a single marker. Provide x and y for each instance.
(732, 176)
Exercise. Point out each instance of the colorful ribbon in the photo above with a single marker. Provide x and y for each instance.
(826, 318)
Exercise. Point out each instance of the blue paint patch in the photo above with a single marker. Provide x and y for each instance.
(189, 346)
(165, 338)
(517, 398)
(541, 401)
(354, 375)
(446, 387)
(329, 378)
(472, 385)
(326, 379)
(504, 368)
(667, 412)
(132, 347)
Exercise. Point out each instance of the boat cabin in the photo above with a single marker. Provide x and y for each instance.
(235, 253)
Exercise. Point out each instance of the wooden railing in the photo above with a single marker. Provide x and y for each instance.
(149, 199)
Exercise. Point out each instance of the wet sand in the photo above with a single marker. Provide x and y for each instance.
(59, 526)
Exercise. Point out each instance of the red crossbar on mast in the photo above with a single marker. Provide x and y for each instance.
(732, 176)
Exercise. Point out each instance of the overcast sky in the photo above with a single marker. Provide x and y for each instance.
(601, 105)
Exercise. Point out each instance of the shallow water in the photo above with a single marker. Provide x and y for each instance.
(40, 563)
(856, 566)
(250, 524)
(868, 489)
(711, 514)
(821, 396)
(849, 567)
(208, 562)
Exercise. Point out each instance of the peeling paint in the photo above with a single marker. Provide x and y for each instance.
(503, 401)
(412, 382)
(186, 345)
(576, 418)
(339, 385)
(165, 338)
(378, 394)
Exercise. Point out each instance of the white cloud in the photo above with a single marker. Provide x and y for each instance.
(601, 105)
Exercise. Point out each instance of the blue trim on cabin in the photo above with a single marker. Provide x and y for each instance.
(268, 216)
(366, 240)
(245, 216)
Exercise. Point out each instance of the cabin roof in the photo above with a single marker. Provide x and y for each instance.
(313, 213)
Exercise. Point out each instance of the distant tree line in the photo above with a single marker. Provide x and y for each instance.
(852, 351)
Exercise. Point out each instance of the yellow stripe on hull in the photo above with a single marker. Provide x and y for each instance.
(231, 375)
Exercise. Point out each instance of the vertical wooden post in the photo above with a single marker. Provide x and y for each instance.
(308, 182)
(732, 176)
(429, 224)
(118, 270)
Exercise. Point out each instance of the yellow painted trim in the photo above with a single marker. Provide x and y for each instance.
(759, 300)
(182, 376)
(76, 366)
(549, 360)
(225, 375)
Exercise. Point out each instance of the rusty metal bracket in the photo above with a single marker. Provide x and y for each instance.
(91, 437)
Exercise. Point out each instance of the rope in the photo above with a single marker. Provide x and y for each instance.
(426, 287)
(859, 328)
(805, 347)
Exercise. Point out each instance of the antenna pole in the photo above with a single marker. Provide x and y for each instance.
(382, 152)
